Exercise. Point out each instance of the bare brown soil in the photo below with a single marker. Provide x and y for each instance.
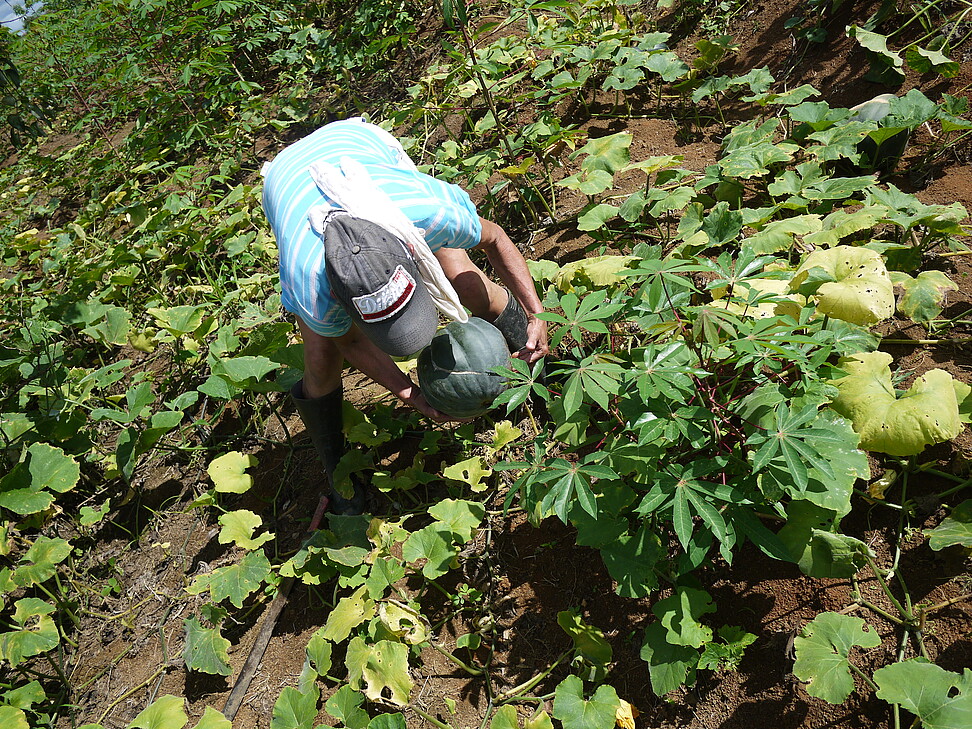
(127, 659)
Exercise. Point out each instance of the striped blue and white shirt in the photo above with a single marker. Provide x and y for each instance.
(442, 210)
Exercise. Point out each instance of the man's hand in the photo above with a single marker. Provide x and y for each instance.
(537, 345)
(417, 400)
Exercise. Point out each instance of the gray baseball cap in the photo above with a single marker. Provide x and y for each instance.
(374, 277)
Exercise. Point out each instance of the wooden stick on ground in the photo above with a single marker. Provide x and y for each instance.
(235, 699)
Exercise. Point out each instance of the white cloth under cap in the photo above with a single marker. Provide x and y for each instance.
(351, 189)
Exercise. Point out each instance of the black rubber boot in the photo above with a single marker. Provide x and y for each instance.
(512, 322)
(324, 420)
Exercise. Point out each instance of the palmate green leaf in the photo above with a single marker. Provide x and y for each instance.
(23, 489)
(728, 654)
(228, 472)
(206, 650)
(25, 696)
(345, 706)
(239, 370)
(295, 710)
(839, 142)
(596, 378)
(34, 631)
(504, 718)
(856, 288)
(434, 544)
(631, 560)
(461, 517)
(590, 182)
(755, 160)
(956, 528)
(841, 223)
(667, 65)
(878, 45)
(234, 582)
(575, 712)
(589, 641)
(679, 614)
(941, 699)
(348, 614)
(926, 414)
(669, 665)
(40, 562)
(375, 669)
(114, 327)
(319, 651)
(167, 712)
(238, 527)
(822, 654)
(923, 295)
(388, 721)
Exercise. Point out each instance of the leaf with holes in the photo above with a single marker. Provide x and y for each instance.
(33, 631)
(822, 654)
(904, 425)
(941, 699)
(851, 284)
(375, 669)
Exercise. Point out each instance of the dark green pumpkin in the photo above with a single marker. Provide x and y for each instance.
(454, 371)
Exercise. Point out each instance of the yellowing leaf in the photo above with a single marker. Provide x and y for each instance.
(380, 667)
(404, 622)
(856, 286)
(471, 471)
(625, 715)
(238, 528)
(877, 489)
(506, 433)
(348, 614)
(600, 271)
(927, 413)
(228, 472)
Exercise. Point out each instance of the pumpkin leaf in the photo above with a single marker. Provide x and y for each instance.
(238, 528)
(576, 712)
(462, 517)
(822, 654)
(472, 471)
(941, 699)
(228, 472)
(34, 631)
(956, 528)
(167, 712)
(850, 283)
(206, 650)
(295, 710)
(926, 414)
(213, 719)
(375, 668)
(923, 295)
(349, 613)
